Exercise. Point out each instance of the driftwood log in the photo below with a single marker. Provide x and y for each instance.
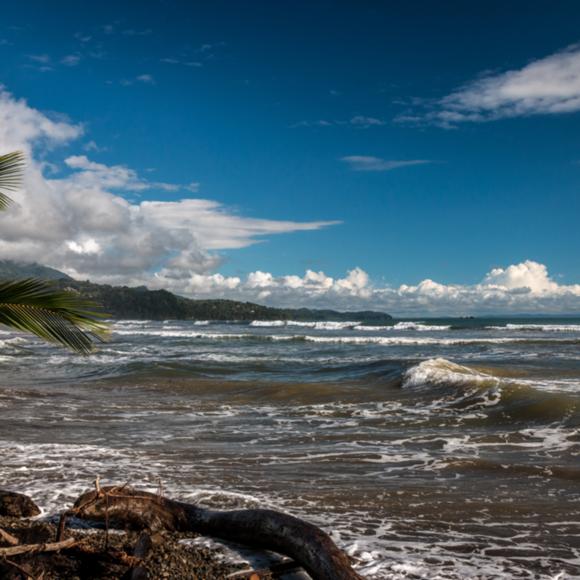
(306, 544)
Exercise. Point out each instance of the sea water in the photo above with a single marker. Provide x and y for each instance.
(427, 448)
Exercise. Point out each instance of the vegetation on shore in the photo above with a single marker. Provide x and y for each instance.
(141, 303)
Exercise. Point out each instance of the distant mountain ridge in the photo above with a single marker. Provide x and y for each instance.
(141, 303)
(12, 270)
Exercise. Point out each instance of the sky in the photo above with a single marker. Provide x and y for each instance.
(418, 157)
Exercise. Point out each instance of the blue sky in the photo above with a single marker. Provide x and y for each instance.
(319, 112)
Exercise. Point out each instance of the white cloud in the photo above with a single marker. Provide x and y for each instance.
(134, 32)
(89, 246)
(71, 60)
(529, 275)
(365, 122)
(92, 146)
(368, 163)
(90, 174)
(146, 79)
(40, 58)
(182, 61)
(21, 126)
(550, 85)
(357, 121)
(83, 37)
(79, 221)
(519, 288)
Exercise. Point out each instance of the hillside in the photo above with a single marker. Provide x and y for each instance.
(11, 270)
(141, 303)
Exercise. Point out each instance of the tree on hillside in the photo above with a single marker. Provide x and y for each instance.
(37, 307)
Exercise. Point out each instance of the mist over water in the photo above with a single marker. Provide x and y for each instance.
(429, 449)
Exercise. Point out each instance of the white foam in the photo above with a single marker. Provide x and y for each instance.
(10, 343)
(539, 327)
(440, 371)
(419, 326)
(268, 323)
(320, 325)
(343, 339)
(329, 325)
(402, 341)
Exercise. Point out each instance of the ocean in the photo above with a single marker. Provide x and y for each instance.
(439, 449)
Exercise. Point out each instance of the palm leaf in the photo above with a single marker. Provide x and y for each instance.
(11, 169)
(54, 315)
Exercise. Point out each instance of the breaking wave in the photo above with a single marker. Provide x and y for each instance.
(353, 340)
(442, 372)
(324, 325)
(452, 384)
(419, 326)
(539, 327)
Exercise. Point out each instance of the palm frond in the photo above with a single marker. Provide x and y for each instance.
(54, 315)
(11, 169)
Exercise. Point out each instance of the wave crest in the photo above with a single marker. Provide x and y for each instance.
(321, 325)
(442, 372)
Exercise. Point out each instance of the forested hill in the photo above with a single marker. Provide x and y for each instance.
(10, 270)
(141, 303)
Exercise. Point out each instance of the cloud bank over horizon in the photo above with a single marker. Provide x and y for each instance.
(520, 288)
(80, 217)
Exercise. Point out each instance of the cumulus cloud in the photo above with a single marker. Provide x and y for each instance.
(368, 163)
(78, 217)
(550, 85)
(313, 288)
(520, 288)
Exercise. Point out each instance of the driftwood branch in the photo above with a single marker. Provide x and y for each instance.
(9, 538)
(306, 544)
(35, 548)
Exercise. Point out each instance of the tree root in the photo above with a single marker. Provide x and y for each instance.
(306, 544)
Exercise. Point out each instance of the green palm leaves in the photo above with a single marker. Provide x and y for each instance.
(58, 316)
(36, 306)
(11, 167)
